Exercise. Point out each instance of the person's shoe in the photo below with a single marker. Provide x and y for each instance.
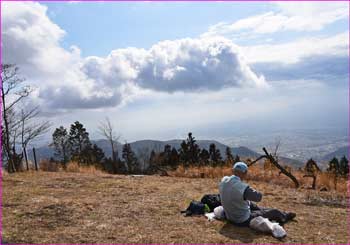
(278, 231)
(290, 216)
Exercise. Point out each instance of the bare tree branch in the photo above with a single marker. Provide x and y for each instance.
(19, 125)
(277, 145)
(106, 129)
(271, 158)
(21, 95)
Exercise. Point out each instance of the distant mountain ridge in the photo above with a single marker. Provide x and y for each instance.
(46, 152)
(340, 152)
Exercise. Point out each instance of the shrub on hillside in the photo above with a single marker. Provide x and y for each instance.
(48, 166)
(73, 167)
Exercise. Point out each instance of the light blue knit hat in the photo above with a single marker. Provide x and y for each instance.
(240, 166)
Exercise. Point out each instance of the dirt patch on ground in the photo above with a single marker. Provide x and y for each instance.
(41, 207)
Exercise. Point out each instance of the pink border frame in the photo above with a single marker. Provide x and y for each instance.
(175, 1)
(1, 174)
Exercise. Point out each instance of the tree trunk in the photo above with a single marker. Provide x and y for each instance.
(25, 157)
(35, 162)
(64, 159)
(314, 183)
(14, 158)
(10, 167)
(313, 180)
(114, 157)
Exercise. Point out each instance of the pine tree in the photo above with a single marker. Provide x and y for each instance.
(311, 167)
(174, 158)
(193, 150)
(344, 166)
(334, 169)
(166, 154)
(204, 157)
(311, 170)
(184, 152)
(130, 158)
(333, 166)
(229, 156)
(79, 141)
(92, 155)
(215, 156)
(97, 155)
(61, 145)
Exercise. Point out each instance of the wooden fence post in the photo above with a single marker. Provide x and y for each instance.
(35, 162)
(25, 157)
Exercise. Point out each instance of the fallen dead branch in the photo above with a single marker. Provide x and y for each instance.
(275, 162)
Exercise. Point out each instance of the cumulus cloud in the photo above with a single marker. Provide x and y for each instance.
(178, 65)
(209, 77)
(32, 41)
(30, 38)
(307, 16)
(66, 80)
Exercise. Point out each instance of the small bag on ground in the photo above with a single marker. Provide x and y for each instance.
(212, 200)
(265, 225)
(196, 208)
(219, 213)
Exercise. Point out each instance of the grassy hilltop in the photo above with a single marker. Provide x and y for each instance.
(59, 207)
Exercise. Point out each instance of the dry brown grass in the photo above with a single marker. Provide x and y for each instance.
(200, 172)
(257, 173)
(48, 166)
(74, 167)
(60, 207)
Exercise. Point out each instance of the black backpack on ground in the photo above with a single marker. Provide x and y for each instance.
(194, 208)
(212, 200)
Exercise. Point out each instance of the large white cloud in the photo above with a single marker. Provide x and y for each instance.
(67, 80)
(178, 65)
(29, 37)
(32, 41)
(214, 66)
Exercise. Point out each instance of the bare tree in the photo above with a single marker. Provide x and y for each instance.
(11, 89)
(106, 129)
(31, 128)
(277, 146)
(17, 126)
(272, 159)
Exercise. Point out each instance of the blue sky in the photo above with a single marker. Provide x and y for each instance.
(98, 28)
(119, 25)
(160, 70)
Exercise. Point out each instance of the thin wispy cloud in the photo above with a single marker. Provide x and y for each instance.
(299, 17)
(294, 51)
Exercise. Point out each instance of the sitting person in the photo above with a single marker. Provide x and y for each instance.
(236, 197)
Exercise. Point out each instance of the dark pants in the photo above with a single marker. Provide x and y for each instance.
(269, 213)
